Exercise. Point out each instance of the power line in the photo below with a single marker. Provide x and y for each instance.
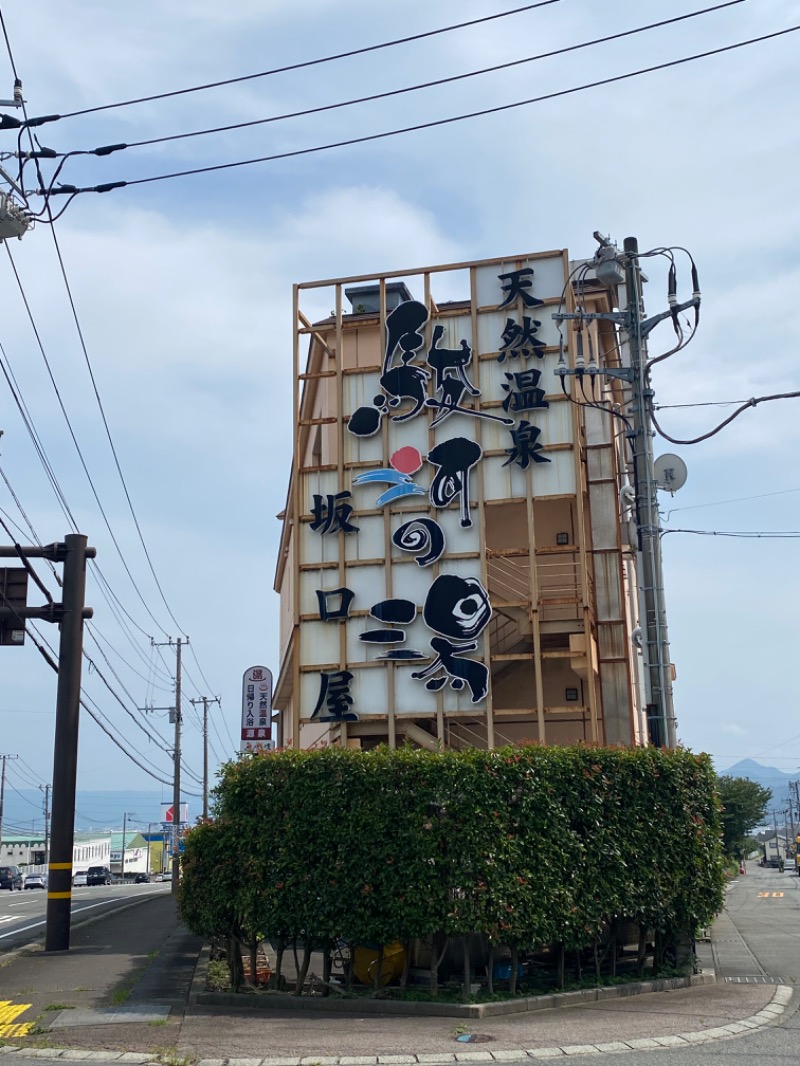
(789, 534)
(744, 407)
(309, 62)
(97, 713)
(410, 88)
(95, 388)
(736, 499)
(94, 633)
(74, 438)
(109, 186)
(108, 430)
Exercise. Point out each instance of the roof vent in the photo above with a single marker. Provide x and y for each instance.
(366, 299)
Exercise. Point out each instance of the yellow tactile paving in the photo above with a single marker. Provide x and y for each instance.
(8, 1012)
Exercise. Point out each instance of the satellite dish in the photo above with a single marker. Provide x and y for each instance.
(669, 473)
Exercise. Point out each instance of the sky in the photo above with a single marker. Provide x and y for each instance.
(183, 291)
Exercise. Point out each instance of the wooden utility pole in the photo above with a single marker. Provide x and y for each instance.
(69, 614)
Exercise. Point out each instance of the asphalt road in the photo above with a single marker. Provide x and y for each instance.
(22, 914)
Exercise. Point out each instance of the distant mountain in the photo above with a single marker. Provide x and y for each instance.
(93, 810)
(766, 776)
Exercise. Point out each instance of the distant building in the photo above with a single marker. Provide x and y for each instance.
(90, 849)
(135, 854)
(456, 565)
(22, 850)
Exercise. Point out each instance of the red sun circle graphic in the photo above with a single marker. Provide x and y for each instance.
(406, 460)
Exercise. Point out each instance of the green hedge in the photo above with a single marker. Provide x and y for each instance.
(525, 845)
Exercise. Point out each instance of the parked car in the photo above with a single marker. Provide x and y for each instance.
(98, 875)
(10, 878)
(79, 880)
(35, 881)
(165, 876)
(141, 879)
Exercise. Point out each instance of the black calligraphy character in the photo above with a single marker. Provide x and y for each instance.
(334, 700)
(521, 340)
(457, 607)
(523, 391)
(392, 612)
(421, 535)
(454, 459)
(458, 671)
(402, 326)
(516, 283)
(451, 391)
(525, 446)
(337, 614)
(366, 421)
(456, 359)
(406, 382)
(332, 515)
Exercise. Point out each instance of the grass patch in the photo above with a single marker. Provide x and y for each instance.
(170, 1057)
(157, 1021)
(59, 1006)
(120, 996)
(218, 979)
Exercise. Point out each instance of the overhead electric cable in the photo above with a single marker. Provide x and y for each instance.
(414, 88)
(96, 392)
(95, 715)
(94, 633)
(736, 499)
(789, 534)
(74, 438)
(311, 62)
(108, 433)
(744, 407)
(109, 186)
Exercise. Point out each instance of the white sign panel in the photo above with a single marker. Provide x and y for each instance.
(257, 710)
(168, 813)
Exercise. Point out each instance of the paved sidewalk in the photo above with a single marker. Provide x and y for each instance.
(125, 1002)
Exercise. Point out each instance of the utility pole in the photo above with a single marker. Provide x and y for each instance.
(46, 811)
(176, 776)
(658, 667)
(205, 700)
(124, 830)
(619, 267)
(65, 757)
(69, 614)
(5, 758)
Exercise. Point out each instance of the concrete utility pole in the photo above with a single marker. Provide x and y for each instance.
(46, 811)
(205, 700)
(658, 668)
(176, 777)
(3, 790)
(124, 832)
(636, 328)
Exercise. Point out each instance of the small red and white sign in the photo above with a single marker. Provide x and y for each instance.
(168, 813)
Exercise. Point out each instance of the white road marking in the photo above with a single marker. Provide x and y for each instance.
(75, 910)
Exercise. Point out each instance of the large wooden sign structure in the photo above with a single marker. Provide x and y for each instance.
(439, 564)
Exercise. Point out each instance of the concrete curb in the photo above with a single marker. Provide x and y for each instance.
(284, 1001)
(767, 1016)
